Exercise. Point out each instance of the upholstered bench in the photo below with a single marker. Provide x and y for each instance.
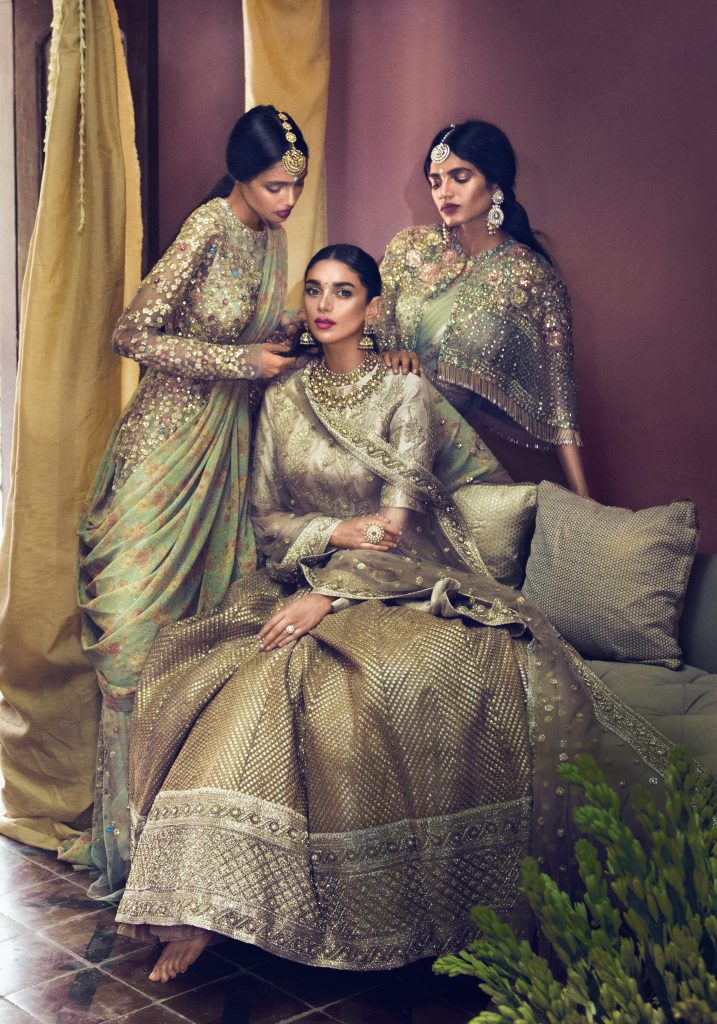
(624, 588)
(681, 703)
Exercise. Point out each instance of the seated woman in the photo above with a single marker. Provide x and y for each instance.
(362, 740)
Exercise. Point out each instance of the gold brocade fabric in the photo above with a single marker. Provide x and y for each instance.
(344, 800)
(497, 325)
(309, 809)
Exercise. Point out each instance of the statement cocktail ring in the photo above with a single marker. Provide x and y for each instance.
(374, 533)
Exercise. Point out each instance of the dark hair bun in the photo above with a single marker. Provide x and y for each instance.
(257, 141)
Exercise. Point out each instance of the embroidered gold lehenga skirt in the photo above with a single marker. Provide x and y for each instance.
(343, 801)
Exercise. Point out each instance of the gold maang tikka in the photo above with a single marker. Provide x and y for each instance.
(293, 160)
(441, 151)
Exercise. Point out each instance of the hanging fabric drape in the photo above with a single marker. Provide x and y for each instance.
(286, 62)
(83, 265)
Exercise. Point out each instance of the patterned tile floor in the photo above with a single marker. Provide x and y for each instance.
(61, 962)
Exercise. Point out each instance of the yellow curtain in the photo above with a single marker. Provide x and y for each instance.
(84, 262)
(286, 54)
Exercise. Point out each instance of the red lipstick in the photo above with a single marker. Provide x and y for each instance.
(449, 208)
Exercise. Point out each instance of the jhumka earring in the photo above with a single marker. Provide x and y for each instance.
(305, 338)
(495, 214)
(366, 343)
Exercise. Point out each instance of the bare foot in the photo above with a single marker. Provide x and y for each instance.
(177, 957)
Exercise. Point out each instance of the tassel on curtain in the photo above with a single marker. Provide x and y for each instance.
(83, 265)
(286, 61)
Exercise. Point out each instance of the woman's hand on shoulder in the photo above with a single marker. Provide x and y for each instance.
(274, 359)
(294, 620)
(402, 361)
(351, 533)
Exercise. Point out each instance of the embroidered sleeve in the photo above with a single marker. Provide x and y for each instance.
(385, 327)
(557, 335)
(412, 433)
(144, 333)
(282, 536)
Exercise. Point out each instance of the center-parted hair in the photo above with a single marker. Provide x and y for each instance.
(488, 148)
(363, 265)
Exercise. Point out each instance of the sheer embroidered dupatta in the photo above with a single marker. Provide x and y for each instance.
(570, 710)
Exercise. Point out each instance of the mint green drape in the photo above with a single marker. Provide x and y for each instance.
(166, 544)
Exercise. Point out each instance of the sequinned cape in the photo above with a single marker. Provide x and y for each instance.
(343, 801)
(166, 528)
(505, 330)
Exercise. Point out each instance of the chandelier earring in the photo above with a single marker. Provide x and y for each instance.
(366, 343)
(306, 338)
(445, 232)
(495, 214)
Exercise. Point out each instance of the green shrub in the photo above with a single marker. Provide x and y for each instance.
(641, 947)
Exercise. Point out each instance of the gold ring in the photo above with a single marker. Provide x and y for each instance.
(374, 533)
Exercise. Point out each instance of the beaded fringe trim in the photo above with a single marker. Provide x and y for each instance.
(52, 75)
(544, 434)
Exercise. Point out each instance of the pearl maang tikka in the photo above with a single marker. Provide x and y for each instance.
(441, 151)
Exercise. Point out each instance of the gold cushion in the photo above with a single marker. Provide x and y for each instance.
(500, 518)
(612, 580)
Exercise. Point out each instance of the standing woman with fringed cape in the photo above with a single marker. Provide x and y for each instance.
(165, 530)
(479, 301)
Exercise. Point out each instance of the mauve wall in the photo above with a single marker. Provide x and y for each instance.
(201, 95)
(610, 108)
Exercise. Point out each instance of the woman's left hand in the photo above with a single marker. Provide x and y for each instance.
(402, 361)
(302, 614)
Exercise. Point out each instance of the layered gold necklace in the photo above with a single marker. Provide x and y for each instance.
(329, 389)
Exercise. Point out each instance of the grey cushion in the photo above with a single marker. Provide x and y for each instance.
(612, 580)
(698, 625)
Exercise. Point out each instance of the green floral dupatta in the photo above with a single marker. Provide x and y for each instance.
(167, 544)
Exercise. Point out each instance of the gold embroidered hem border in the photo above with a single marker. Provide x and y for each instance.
(374, 898)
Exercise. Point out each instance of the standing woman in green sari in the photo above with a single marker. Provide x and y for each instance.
(165, 530)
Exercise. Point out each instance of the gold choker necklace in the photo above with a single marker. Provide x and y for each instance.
(327, 388)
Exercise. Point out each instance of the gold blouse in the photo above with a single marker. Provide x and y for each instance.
(299, 467)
